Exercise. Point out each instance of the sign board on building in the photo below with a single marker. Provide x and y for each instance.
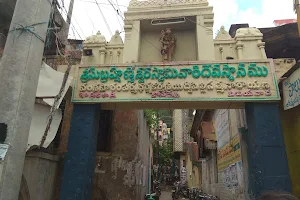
(291, 90)
(178, 82)
(229, 154)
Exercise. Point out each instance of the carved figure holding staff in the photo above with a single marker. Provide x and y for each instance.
(168, 41)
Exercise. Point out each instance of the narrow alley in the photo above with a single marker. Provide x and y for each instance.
(167, 195)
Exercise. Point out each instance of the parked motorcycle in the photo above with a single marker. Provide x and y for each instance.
(154, 196)
(184, 192)
(193, 193)
(175, 190)
(157, 187)
(203, 196)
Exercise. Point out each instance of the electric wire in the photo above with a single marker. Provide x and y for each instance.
(66, 12)
(105, 21)
(90, 19)
(101, 3)
(116, 14)
(63, 9)
(55, 105)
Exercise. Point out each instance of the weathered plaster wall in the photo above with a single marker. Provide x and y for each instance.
(209, 176)
(236, 120)
(291, 131)
(186, 49)
(197, 176)
(192, 164)
(122, 173)
(40, 172)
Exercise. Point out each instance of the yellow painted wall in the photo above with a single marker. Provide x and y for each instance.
(196, 176)
(291, 131)
(193, 175)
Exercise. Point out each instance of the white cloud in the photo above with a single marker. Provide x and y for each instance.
(86, 13)
(227, 13)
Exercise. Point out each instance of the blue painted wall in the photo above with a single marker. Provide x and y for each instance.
(79, 163)
(267, 160)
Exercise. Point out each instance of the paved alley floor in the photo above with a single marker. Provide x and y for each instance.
(167, 195)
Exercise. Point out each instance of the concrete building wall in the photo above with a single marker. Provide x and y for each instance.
(122, 173)
(40, 172)
(209, 178)
(225, 188)
(196, 176)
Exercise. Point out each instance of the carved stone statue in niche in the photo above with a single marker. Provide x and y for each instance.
(168, 41)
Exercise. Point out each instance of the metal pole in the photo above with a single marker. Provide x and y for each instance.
(69, 15)
(297, 8)
(157, 154)
(19, 73)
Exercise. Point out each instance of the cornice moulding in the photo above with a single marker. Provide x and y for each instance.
(168, 13)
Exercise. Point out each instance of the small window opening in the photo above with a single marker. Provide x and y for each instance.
(105, 130)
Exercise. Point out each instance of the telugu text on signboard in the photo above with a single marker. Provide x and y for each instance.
(220, 81)
(291, 91)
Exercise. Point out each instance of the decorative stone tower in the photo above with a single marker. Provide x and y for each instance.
(190, 20)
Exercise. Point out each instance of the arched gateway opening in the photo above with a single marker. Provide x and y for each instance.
(170, 60)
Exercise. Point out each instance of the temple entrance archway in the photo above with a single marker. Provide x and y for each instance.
(179, 86)
(142, 73)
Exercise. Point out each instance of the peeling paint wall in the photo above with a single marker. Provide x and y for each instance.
(122, 173)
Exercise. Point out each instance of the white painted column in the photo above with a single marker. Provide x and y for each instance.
(261, 46)
(221, 52)
(118, 55)
(102, 52)
(205, 41)
(132, 42)
(240, 47)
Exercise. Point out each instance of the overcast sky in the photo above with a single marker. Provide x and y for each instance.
(87, 18)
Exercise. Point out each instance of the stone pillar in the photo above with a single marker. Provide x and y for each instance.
(240, 47)
(205, 40)
(261, 46)
(79, 163)
(267, 160)
(132, 42)
(110, 56)
(102, 52)
(221, 52)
